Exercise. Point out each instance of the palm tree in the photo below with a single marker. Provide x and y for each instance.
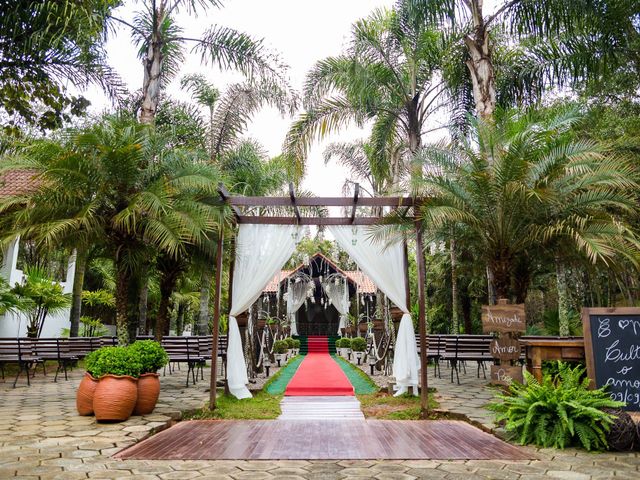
(523, 186)
(561, 42)
(162, 42)
(388, 75)
(9, 301)
(116, 184)
(375, 173)
(40, 296)
(229, 115)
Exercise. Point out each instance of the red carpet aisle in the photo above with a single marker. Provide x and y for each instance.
(319, 374)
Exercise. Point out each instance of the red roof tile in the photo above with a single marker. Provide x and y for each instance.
(15, 182)
(365, 285)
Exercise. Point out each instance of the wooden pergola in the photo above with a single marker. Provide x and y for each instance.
(239, 204)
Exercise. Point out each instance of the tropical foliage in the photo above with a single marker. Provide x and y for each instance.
(559, 412)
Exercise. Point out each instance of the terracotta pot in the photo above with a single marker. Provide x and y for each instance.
(115, 398)
(148, 393)
(84, 395)
(349, 330)
(262, 323)
(378, 325)
(362, 327)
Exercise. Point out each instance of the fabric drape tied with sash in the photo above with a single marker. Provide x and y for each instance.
(384, 264)
(261, 251)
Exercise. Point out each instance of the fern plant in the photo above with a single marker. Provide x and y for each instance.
(559, 412)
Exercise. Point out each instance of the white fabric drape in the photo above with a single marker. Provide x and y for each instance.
(339, 296)
(261, 251)
(296, 295)
(385, 266)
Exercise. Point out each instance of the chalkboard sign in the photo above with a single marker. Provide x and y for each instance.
(612, 350)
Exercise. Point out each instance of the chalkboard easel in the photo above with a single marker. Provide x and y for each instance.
(612, 351)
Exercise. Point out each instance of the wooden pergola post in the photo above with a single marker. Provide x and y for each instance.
(422, 324)
(216, 321)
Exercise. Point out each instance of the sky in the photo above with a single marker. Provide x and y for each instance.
(301, 31)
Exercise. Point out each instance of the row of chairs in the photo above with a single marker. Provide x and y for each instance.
(29, 353)
(457, 350)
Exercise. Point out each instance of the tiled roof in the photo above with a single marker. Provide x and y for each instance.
(15, 182)
(365, 285)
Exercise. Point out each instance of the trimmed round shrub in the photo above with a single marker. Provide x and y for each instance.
(296, 343)
(291, 343)
(280, 346)
(343, 342)
(358, 344)
(114, 361)
(150, 354)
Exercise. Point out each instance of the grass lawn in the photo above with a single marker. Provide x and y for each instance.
(261, 407)
(387, 407)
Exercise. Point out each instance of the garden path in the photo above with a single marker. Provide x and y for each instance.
(41, 437)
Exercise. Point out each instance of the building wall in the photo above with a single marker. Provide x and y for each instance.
(15, 324)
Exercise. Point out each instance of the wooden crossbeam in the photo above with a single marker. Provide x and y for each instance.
(311, 220)
(320, 201)
(226, 196)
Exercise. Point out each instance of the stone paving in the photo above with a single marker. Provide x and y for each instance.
(41, 437)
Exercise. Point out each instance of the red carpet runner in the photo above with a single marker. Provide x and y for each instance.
(319, 374)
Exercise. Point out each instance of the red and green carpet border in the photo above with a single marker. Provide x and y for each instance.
(278, 384)
(362, 384)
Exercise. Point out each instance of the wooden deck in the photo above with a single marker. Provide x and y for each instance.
(323, 440)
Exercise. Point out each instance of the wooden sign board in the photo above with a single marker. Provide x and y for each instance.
(612, 351)
(505, 349)
(504, 318)
(505, 374)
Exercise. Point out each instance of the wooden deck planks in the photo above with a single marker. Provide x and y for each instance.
(323, 440)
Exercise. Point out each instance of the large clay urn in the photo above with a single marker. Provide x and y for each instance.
(84, 395)
(148, 393)
(115, 398)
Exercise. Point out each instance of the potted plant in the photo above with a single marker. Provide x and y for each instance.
(262, 322)
(152, 357)
(296, 346)
(345, 344)
(273, 325)
(88, 384)
(291, 345)
(359, 345)
(280, 349)
(115, 396)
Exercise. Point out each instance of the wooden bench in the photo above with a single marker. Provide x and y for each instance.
(17, 351)
(183, 350)
(52, 349)
(456, 350)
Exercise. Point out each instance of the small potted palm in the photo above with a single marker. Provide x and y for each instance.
(152, 358)
(359, 345)
(115, 396)
(280, 349)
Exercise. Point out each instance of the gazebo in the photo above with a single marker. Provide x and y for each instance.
(264, 243)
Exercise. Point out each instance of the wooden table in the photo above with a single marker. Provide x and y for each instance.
(542, 349)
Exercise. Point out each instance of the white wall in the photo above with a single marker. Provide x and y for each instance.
(15, 324)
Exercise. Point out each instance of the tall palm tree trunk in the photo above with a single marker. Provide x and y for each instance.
(205, 294)
(455, 323)
(480, 64)
(123, 278)
(143, 305)
(76, 295)
(152, 71)
(563, 298)
(168, 281)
